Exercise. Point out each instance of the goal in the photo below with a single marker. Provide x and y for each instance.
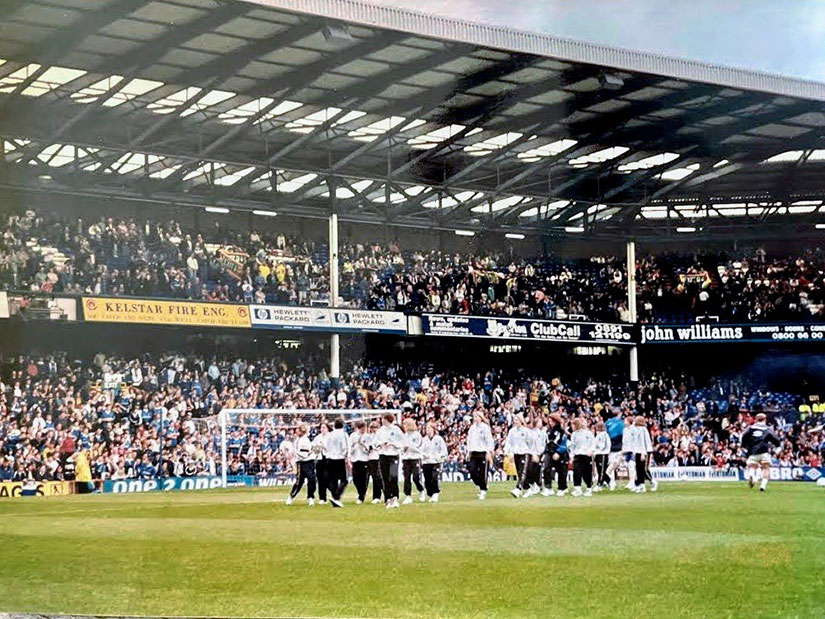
(277, 421)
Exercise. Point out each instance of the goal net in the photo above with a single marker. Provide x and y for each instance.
(268, 435)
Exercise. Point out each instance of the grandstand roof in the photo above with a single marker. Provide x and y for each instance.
(303, 106)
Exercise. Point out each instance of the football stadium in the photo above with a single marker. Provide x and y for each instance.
(326, 308)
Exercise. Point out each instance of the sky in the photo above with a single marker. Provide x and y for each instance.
(777, 36)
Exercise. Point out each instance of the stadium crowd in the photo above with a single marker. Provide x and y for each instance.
(116, 256)
(127, 412)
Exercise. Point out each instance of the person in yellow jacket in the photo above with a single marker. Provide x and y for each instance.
(280, 272)
(509, 466)
(83, 472)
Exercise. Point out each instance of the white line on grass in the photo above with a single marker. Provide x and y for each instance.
(81, 616)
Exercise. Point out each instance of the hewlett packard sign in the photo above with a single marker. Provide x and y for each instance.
(669, 334)
(525, 329)
(281, 317)
(368, 321)
(327, 319)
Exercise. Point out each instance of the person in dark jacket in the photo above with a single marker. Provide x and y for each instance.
(556, 456)
(757, 441)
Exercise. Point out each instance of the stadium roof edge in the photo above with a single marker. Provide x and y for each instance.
(514, 40)
(202, 105)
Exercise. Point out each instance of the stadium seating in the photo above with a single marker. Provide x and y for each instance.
(115, 256)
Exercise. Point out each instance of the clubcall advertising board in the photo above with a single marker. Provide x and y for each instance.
(527, 329)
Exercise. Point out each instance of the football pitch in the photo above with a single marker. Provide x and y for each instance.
(690, 550)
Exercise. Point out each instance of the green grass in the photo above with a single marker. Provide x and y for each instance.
(690, 550)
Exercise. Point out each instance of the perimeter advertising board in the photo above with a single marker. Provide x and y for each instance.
(153, 312)
(527, 329)
(327, 319)
(724, 333)
(14, 489)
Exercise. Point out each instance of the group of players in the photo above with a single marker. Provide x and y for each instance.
(375, 452)
(542, 449)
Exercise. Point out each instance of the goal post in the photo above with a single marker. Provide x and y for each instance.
(229, 420)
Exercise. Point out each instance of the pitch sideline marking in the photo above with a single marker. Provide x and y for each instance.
(82, 616)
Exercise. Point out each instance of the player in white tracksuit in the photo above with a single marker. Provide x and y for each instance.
(373, 469)
(389, 440)
(304, 467)
(538, 441)
(433, 452)
(319, 450)
(518, 445)
(359, 455)
(601, 453)
(627, 450)
(480, 446)
(411, 461)
(581, 446)
(642, 448)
